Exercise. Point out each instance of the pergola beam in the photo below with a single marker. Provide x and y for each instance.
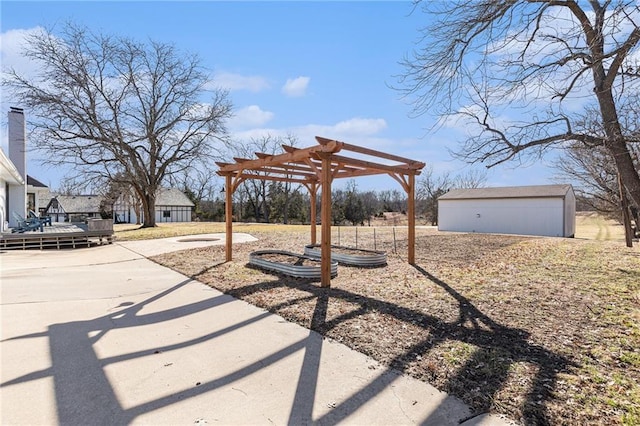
(369, 151)
(382, 168)
(274, 178)
(281, 158)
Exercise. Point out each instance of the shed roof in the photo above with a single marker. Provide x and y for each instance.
(80, 203)
(535, 191)
(172, 197)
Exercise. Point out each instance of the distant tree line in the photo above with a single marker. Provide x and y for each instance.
(277, 202)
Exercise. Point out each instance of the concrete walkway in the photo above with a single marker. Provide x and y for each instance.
(104, 336)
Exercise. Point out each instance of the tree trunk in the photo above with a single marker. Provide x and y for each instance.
(149, 207)
(137, 205)
(617, 145)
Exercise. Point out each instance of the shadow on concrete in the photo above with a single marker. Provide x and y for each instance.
(85, 395)
(83, 392)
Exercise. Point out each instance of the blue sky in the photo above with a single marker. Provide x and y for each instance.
(305, 68)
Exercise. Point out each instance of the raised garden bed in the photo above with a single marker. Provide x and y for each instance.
(292, 264)
(349, 255)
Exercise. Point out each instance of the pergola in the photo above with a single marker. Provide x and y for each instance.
(317, 166)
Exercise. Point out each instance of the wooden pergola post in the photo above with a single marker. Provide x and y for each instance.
(411, 213)
(325, 213)
(313, 190)
(228, 215)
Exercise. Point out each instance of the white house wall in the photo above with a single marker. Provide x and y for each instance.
(12, 199)
(176, 214)
(41, 197)
(526, 216)
(3, 206)
(16, 202)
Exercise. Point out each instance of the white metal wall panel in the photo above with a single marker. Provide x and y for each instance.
(570, 215)
(177, 214)
(526, 216)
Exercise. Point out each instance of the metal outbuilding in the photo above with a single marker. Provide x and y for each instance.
(545, 210)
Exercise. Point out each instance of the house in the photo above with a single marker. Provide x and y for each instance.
(545, 210)
(38, 195)
(12, 192)
(19, 192)
(74, 208)
(172, 205)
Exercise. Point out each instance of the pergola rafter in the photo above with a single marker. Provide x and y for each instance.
(316, 167)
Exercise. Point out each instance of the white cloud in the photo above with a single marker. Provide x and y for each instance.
(248, 117)
(353, 130)
(358, 131)
(232, 81)
(12, 44)
(296, 87)
(360, 126)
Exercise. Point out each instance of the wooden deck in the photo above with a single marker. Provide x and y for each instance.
(58, 236)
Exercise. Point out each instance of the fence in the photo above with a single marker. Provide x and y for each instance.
(392, 239)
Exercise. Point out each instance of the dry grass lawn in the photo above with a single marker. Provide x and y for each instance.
(545, 330)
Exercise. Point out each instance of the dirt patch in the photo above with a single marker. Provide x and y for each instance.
(543, 330)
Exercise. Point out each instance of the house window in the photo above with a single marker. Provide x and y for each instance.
(166, 213)
(31, 201)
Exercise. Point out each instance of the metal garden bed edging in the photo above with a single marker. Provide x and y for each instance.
(298, 271)
(369, 258)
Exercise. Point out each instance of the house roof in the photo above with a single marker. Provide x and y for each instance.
(536, 191)
(35, 182)
(80, 203)
(44, 196)
(172, 197)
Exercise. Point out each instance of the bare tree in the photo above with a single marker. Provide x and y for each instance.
(354, 210)
(70, 185)
(119, 110)
(591, 168)
(371, 205)
(431, 186)
(428, 189)
(257, 190)
(594, 176)
(393, 200)
(200, 184)
(480, 58)
(472, 178)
